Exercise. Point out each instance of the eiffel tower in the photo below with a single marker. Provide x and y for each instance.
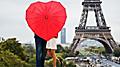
(100, 32)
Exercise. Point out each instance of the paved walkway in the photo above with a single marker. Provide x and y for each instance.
(107, 62)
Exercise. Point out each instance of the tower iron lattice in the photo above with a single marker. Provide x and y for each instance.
(101, 32)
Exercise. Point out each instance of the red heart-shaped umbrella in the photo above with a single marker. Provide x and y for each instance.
(46, 19)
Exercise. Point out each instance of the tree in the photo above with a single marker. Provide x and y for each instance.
(12, 54)
(59, 49)
(117, 52)
(77, 53)
(8, 59)
(13, 46)
(29, 49)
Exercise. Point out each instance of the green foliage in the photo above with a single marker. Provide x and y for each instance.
(32, 61)
(94, 49)
(70, 64)
(116, 52)
(59, 49)
(14, 47)
(15, 54)
(12, 54)
(77, 53)
(66, 53)
(63, 63)
(8, 59)
(29, 49)
(49, 63)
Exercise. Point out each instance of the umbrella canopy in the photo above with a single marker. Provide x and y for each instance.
(46, 19)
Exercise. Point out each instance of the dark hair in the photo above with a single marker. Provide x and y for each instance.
(55, 36)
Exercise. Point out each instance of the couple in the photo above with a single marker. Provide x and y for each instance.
(39, 17)
(43, 47)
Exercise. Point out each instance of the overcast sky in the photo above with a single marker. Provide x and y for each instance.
(13, 24)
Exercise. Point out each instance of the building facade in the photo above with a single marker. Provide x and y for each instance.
(63, 36)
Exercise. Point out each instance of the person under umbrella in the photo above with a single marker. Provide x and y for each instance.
(51, 48)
